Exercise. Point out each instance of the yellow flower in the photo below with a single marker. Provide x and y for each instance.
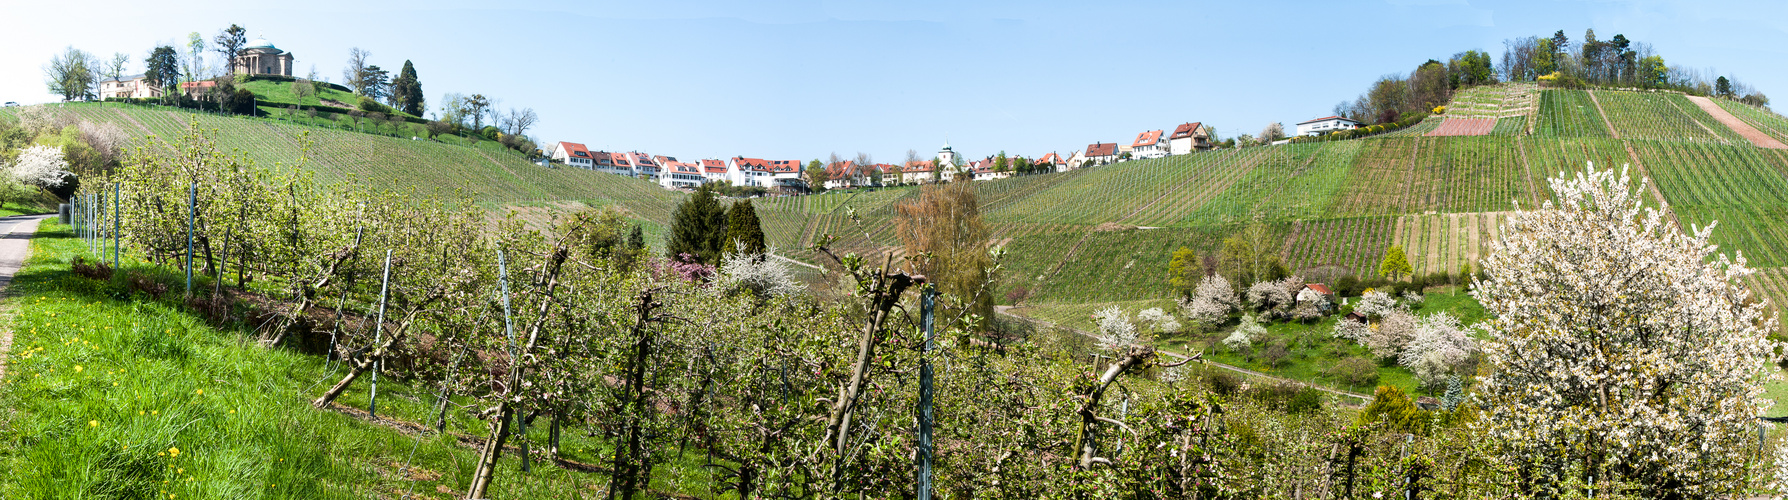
(78, 368)
(173, 452)
(154, 412)
(232, 410)
(93, 423)
(181, 470)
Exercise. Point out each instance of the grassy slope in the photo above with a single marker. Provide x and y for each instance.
(100, 388)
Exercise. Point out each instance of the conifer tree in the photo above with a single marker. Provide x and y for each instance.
(743, 229)
(698, 228)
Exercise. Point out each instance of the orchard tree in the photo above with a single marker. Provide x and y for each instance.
(1621, 346)
(943, 230)
(39, 166)
(1395, 264)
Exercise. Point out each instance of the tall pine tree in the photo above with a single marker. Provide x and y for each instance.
(698, 228)
(406, 91)
(743, 227)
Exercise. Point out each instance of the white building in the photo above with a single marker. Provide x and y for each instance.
(129, 87)
(762, 173)
(679, 175)
(1189, 138)
(714, 170)
(574, 155)
(1100, 153)
(1150, 144)
(1326, 125)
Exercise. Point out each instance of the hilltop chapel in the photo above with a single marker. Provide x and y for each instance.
(260, 57)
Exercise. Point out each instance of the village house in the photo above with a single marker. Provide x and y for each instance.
(1317, 292)
(1150, 144)
(1101, 153)
(918, 172)
(574, 155)
(129, 87)
(643, 166)
(613, 163)
(768, 174)
(1053, 162)
(195, 89)
(842, 175)
(1326, 125)
(714, 170)
(1189, 138)
(679, 175)
(260, 57)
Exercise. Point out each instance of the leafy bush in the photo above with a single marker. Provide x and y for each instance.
(369, 105)
(1354, 371)
(1396, 410)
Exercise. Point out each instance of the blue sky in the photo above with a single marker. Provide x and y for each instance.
(799, 80)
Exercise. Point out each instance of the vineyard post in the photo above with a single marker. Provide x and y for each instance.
(117, 223)
(509, 330)
(95, 246)
(927, 302)
(372, 400)
(192, 213)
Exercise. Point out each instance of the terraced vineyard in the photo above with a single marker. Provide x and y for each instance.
(1663, 117)
(1569, 113)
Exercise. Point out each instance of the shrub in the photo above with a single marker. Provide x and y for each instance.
(1354, 371)
(1396, 410)
(1017, 294)
(1276, 354)
(1224, 383)
(1348, 286)
(98, 270)
(369, 105)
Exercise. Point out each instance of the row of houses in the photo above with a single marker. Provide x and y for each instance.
(667, 171)
(946, 166)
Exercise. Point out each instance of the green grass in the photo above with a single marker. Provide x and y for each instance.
(1663, 117)
(102, 386)
(281, 93)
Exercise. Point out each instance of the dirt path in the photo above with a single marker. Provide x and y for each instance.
(1006, 310)
(1757, 137)
(15, 247)
(1604, 115)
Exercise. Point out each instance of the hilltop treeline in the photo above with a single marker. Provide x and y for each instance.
(1555, 61)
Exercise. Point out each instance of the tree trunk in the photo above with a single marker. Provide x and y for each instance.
(359, 368)
(1086, 440)
(627, 463)
(488, 455)
(888, 289)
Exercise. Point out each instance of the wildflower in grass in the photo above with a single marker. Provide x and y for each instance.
(200, 392)
(173, 452)
(93, 423)
(78, 368)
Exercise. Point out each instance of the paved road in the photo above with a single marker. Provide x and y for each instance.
(15, 246)
(1237, 369)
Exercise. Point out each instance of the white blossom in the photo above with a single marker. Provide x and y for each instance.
(1211, 303)
(40, 166)
(1350, 330)
(1116, 332)
(1244, 334)
(1376, 304)
(1395, 331)
(1619, 340)
(1158, 320)
(1438, 348)
(1269, 298)
(1412, 298)
(760, 274)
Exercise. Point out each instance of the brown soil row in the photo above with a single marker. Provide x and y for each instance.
(1750, 133)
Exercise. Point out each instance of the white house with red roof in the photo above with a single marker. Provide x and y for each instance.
(918, 172)
(1053, 161)
(679, 175)
(644, 166)
(574, 155)
(714, 170)
(846, 174)
(1100, 153)
(742, 171)
(1326, 125)
(1150, 144)
(1189, 138)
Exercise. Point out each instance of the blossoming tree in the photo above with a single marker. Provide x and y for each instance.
(1623, 348)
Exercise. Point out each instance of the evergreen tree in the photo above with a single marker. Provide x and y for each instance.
(698, 228)
(743, 227)
(1455, 394)
(1723, 87)
(1395, 265)
(406, 91)
(636, 240)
